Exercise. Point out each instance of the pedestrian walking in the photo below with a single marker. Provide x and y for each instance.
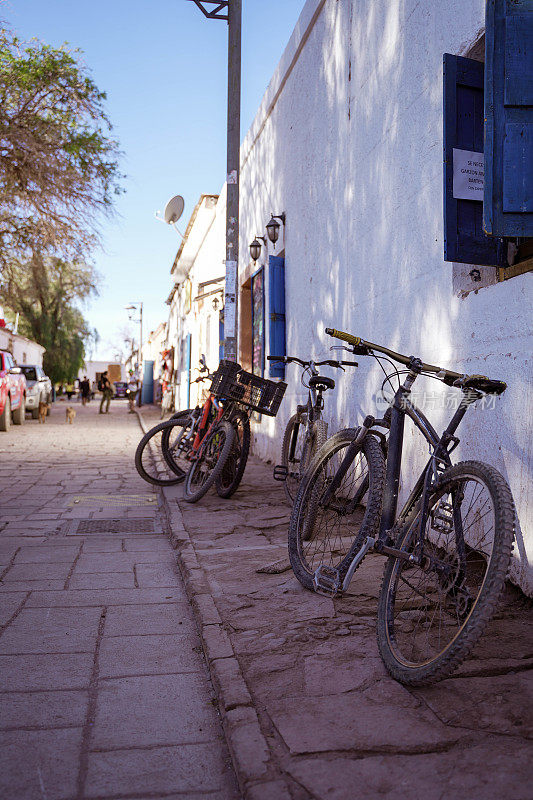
(85, 390)
(104, 386)
(133, 389)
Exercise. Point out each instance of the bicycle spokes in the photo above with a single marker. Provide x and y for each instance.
(431, 600)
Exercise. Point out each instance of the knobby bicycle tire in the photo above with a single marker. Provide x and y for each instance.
(430, 618)
(147, 456)
(229, 479)
(304, 452)
(311, 543)
(207, 466)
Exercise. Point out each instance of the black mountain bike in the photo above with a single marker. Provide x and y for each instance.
(448, 549)
(306, 431)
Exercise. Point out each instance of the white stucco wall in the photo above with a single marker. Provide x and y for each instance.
(202, 260)
(25, 351)
(348, 143)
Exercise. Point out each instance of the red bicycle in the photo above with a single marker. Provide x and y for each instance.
(209, 444)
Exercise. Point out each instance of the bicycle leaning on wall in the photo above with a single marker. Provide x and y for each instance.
(306, 431)
(448, 549)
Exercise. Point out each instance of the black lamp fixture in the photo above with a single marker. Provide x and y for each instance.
(255, 247)
(273, 227)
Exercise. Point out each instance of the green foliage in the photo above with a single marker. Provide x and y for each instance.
(58, 162)
(45, 293)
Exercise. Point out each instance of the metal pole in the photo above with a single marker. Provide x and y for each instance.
(231, 293)
(141, 353)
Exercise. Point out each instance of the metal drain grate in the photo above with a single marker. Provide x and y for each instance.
(112, 500)
(85, 526)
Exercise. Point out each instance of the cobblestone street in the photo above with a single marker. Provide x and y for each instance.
(105, 692)
(104, 689)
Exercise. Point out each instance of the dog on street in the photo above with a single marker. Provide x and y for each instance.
(70, 414)
(43, 410)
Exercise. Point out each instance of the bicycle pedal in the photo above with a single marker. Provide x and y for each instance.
(442, 517)
(281, 472)
(327, 581)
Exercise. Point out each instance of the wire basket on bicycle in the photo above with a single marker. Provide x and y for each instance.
(232, 382)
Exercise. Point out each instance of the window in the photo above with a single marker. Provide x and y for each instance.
(488, 128)
(276, 314)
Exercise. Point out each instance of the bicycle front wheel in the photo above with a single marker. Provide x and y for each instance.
(208, 465)
(330, 533)
(229, 479)
(432, 613)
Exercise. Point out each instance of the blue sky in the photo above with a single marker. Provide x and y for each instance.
(163, 66)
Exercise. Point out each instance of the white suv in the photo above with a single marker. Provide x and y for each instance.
(38, 388)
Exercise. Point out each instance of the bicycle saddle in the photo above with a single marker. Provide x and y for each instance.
(321, 383)
(482, 384)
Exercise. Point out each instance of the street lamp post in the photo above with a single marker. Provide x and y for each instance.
(131, 309)
(212, 9)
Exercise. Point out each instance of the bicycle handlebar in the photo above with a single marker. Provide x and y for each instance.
(448, 376)
(329, 362)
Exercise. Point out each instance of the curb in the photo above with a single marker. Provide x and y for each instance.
(248, 748)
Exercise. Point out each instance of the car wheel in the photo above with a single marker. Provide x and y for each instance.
(35, 413)
(19, 414)
(5, 419)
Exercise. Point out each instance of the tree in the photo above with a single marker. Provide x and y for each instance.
(58, 163)
(45, 292)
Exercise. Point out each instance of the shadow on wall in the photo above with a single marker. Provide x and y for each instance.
(352, 152)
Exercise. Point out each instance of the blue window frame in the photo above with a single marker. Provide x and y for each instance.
(465, 241)
(276, 314)
(508, 200)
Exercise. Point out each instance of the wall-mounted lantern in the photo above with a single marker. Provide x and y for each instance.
(255, 247)
(273, 227)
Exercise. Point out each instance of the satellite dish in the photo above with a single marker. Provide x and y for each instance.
(174, 209)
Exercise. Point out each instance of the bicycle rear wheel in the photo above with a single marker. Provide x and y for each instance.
(229, 479)
(330, 535)
(431, 615)
(177, 442)
(150, 460)
(298, 450)
(209, 463)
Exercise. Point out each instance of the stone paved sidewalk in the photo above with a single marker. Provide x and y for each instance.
(308, 708)
(104, 691)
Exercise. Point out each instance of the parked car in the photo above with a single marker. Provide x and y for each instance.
(38, 388)
(12, 392)
(120, 388)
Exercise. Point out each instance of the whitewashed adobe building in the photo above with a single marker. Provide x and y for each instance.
(348, 144)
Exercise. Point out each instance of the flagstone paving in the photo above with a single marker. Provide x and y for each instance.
(305, 673)
(104, 691)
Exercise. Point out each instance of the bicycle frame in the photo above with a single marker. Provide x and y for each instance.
(315, 404)
(394, 420)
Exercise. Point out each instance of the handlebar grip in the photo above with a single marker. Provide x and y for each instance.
(346, 337)
(350, 363)
(277, 358)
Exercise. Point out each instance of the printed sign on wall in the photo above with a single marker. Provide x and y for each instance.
(468, 175)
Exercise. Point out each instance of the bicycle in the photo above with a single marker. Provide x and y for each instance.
(306, 431)
(164, 448)
(210, 444)
(448, 549)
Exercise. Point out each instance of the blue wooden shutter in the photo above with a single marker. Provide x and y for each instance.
(276, 301)
(508, 204)
(465, 241)
(188, 367)
(221, 335)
